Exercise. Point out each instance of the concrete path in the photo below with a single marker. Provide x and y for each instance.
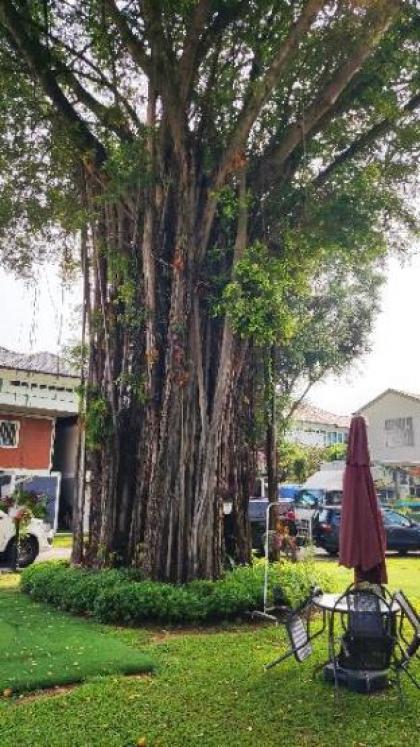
(56, 553)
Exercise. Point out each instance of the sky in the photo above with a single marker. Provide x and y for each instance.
(394, 360)
(42, 316)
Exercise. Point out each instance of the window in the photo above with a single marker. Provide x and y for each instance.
(334, 497)
(392, 518)
(9, 434)
(399, 432)
(304, 499)
(335, 437)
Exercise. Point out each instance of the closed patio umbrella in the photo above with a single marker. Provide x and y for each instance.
(362, 534)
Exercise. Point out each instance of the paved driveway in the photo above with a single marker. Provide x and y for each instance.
(56, 553)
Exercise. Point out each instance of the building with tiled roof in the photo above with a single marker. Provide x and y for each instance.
(39, 406)
(42, 362)
(308, 413)
(312, 426)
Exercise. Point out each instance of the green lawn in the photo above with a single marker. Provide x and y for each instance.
(41, 647)
(63, 540)
(403, 573)
(210, 690)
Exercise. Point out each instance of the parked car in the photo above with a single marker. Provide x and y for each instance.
(37, 538)
(308, 501)
(402, 534)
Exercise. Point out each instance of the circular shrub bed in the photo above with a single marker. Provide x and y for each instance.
(120, 596)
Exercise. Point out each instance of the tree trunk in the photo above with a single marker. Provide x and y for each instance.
(161, 425)
(271, 425)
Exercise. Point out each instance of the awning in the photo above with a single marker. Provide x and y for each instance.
(325, 480)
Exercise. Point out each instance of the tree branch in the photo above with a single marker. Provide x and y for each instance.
(192, 42)
(261, 89)
(132, 42)
(108, 116)
(166, 69)
(377, 23)
(98, 79)
(38, 61)
(250, 111)
(295, 404)
(227, 15)
(369, 137)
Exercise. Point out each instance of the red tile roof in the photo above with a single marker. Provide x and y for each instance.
(308, 413)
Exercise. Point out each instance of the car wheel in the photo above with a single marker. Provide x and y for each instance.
(28, 551)
(402, 552)
(333, 553)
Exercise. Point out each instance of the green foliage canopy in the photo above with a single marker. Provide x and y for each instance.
(320, 183)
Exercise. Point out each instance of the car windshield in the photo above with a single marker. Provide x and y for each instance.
(392, 517)
(306, 499)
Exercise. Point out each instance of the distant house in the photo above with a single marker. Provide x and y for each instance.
(312, 426)
(38, 423)
(393, 420)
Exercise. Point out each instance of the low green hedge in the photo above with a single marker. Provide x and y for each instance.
(118, 596)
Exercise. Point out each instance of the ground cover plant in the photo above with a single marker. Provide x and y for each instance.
(120, 596)
(210, 690)
(41, 647)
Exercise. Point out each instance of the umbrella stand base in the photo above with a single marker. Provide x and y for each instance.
(358, 680)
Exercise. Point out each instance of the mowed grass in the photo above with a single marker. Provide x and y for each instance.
(63, 540)
(403, 573)
(210, 690)
(40, 647)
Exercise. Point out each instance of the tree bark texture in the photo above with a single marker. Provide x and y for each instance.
(163, 388)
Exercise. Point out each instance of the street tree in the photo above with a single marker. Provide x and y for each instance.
(333, 328)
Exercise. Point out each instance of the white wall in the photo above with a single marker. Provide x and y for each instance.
(387, 444)
(315, 434)
(38, 391)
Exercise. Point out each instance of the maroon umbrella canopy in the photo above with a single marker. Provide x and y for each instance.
(362, 534)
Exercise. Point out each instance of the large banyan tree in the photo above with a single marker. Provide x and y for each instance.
(211, 153)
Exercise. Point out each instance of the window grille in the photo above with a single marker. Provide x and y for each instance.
(9, 430)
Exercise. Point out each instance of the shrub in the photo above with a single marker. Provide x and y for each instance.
(117, 596)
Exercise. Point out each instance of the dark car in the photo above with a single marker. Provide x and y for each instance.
(402, 534)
